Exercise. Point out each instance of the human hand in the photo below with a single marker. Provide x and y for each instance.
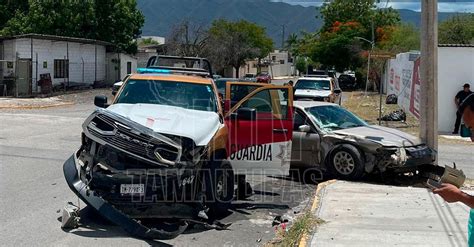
(449, 192)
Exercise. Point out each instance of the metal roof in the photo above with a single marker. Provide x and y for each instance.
(456, 45)
(57, 38)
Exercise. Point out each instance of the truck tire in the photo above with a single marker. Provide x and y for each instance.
(219, 185)
(346, 162)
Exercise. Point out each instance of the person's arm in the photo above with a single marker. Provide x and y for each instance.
(451, 193)
(456, 101)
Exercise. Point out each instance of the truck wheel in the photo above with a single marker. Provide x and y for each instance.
(219, 184)
(346, 162)
(244, 190)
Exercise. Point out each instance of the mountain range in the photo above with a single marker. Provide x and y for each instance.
(162, 15)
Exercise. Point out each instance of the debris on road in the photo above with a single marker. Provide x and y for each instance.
(70, 218)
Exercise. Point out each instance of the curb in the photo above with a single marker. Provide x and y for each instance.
(315, 206)
(16, 107)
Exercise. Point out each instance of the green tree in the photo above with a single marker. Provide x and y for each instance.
(232, 43)
(10, 8)
(148, 41)
(457, 30)
(360, 11)
(401, 38)
(118, 22)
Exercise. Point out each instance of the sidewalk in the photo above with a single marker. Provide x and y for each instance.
(358, 214)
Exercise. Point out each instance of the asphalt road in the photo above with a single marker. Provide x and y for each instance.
(35, 143)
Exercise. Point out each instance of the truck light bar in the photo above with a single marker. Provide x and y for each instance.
(153, 70)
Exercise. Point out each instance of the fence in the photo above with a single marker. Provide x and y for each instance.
(24, 77)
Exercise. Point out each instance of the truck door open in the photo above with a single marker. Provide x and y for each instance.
(260, 126)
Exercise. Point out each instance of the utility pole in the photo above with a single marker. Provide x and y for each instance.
(429, 73)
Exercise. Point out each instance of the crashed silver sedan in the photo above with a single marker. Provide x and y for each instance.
(330, 138)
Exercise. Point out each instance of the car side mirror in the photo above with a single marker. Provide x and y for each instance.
(304, 128)
(101, 101)
(246, 114)
(337, 91)
(114, 93)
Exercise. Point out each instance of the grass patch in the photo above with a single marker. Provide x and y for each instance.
(367, 107)
(302, 225)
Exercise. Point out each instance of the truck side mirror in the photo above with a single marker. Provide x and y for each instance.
(246, 114)
(337, 91)
(100, 101)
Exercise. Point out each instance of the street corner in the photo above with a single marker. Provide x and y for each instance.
(33, 103)
(367, 214)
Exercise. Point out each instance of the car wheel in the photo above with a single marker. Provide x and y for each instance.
(346, 162)
(219, 184)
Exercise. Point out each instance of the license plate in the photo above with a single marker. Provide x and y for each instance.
(132, 189)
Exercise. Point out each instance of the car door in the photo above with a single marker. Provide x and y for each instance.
(260, 128)
(306, 146)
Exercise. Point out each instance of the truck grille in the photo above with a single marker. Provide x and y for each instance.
(123, 137)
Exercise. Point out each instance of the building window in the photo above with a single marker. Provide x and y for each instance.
(129, 67)
(282, 61)
(274, 58)
(61, 68)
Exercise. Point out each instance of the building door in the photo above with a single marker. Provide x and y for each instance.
(129, 68)
(23, 77)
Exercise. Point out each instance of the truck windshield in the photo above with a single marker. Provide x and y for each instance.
(181, 94)
(313, 84)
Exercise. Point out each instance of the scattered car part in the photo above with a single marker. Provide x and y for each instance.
(70, 218)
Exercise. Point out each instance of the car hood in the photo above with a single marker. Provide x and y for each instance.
(312, 92)
(382, 135)
(200, 126)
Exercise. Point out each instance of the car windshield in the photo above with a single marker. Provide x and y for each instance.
(313, 84)
(181, 94)
(332, 117)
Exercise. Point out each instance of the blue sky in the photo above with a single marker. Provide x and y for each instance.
(443, 5)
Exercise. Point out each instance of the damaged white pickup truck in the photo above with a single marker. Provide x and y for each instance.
(165, 148)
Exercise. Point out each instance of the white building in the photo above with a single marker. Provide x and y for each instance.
(118, 66)
(455, 68)
(277, 64)
(68, 61)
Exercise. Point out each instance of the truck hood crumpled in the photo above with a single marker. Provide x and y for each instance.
(312, 93)
(200, 126)
(382, 135)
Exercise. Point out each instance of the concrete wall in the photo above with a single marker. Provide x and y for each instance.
(117, 66)
(86, 61)
(455, 67)
(124, 59)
